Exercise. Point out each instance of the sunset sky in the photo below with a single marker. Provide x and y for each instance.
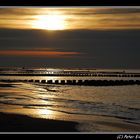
(70, 37)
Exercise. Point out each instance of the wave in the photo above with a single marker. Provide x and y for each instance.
(75, 107)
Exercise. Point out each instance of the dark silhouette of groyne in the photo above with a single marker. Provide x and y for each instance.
(81, 82)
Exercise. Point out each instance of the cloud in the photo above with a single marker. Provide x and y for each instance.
(39, 53)
(67, 10)
(75, 18)
(88, 48)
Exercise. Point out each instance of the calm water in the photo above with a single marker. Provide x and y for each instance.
(96, 108)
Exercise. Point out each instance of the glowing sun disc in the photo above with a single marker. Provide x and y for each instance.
(50, 22)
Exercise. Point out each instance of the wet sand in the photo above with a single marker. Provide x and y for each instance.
(23, 123)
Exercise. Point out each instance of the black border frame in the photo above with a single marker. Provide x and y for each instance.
(69, 3)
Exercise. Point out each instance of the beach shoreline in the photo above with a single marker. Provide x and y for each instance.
(25, 108)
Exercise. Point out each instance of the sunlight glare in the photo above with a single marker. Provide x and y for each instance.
(50, 22)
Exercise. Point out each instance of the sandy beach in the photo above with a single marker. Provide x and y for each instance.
(23, 123)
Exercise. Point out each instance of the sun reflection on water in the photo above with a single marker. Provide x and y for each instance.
(45, 112)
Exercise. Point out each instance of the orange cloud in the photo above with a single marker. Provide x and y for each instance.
(36, 53)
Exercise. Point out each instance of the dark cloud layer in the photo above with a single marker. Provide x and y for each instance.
(104, 49)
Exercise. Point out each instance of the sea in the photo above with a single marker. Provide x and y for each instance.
(95, 108)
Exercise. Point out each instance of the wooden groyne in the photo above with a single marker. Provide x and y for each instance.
(81, 82)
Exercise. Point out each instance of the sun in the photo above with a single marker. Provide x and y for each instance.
(49, 22)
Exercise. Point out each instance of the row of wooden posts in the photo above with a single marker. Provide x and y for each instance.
(81, 82)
